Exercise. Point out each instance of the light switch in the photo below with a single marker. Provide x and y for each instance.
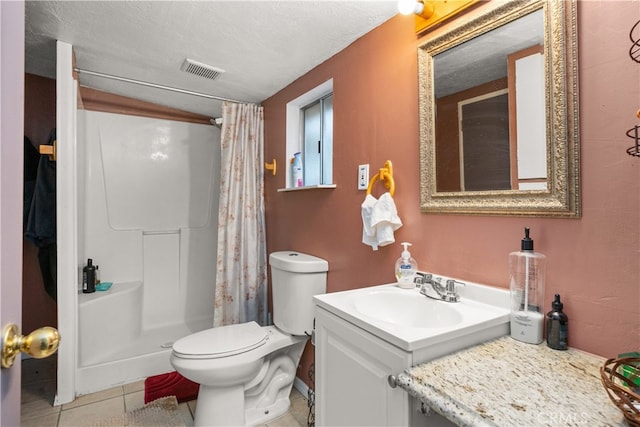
(363, 177)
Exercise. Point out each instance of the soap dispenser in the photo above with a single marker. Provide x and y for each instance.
(406, 268)
(526, 284)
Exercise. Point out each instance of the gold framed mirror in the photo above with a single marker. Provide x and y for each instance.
(498, 97)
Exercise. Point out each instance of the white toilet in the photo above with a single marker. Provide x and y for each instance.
(246, 371)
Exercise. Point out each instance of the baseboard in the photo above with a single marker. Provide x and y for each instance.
(302, 387)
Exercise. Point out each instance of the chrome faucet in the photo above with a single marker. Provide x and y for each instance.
(432, 287)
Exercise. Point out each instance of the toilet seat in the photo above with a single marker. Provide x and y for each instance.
(223, 341)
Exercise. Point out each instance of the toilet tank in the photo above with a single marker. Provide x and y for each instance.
(295, 279)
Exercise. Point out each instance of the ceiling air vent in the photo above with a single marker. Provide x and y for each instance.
(200, 69)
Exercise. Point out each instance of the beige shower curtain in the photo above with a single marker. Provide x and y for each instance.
(241, 278)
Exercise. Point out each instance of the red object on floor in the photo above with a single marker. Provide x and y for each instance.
(170, 384)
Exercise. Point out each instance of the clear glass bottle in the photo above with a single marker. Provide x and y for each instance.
(526, 283)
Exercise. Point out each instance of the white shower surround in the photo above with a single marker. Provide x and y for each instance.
(147, 201)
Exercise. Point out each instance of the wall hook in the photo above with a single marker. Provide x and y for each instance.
(49, 150)
(271, 166)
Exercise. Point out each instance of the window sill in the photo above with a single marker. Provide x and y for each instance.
(310, 187)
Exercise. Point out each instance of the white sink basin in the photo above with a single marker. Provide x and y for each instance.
(405, 309)
(412, 321)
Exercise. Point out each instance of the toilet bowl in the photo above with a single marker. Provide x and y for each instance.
(246, 371)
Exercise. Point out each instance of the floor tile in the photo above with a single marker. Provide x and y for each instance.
(299, 407)
(133, 387)
(193, 405)
(37, 409)
(87, 414)
(50, 420)
(286, 420)
(39, 388)
(133, 401)
(94, 397)
(187, 415)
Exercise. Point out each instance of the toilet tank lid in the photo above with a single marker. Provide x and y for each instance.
(297, 262)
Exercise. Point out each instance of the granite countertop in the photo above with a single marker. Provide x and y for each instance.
(505, 382)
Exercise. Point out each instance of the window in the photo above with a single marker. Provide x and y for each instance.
(310, 132)
(318, 141)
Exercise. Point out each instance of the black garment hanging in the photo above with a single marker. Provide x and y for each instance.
(31, 159)
(40, 222)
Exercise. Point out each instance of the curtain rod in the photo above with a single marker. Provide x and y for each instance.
(172, 89)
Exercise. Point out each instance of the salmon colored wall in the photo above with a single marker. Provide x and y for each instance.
(38, 309)
(593, 262)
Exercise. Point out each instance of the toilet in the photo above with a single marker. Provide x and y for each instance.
(246, 371)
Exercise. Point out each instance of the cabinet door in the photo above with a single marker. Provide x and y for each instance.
(352, 367)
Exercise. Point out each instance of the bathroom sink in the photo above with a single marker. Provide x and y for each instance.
(406, 309)
(412, 321)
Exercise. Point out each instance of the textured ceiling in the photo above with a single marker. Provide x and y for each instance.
(262, 45)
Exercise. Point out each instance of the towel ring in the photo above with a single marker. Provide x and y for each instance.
(386, 177)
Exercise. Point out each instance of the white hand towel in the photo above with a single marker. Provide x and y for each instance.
(369, 232)
(379, 220)
(385, 219)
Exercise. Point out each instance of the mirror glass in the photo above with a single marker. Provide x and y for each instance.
(498, 116)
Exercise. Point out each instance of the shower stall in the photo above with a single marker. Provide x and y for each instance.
(147, 194)
(139, 196)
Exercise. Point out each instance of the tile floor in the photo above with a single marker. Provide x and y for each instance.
(39, 386)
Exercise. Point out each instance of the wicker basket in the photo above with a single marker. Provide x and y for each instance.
(617, 377)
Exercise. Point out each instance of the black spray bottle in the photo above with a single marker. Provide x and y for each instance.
(557, 326)
(89, 277)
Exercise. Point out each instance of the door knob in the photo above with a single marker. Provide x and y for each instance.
(41, 343)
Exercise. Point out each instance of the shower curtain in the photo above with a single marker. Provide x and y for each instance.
(241, 274)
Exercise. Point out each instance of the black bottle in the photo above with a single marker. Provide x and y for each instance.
(557, 326)
(89, 277)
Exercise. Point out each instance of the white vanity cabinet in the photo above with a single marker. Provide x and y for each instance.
(352, 367)
(364, 335)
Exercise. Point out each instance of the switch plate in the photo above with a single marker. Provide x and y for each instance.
(363, 177)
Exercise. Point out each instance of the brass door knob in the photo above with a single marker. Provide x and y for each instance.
(41, 343)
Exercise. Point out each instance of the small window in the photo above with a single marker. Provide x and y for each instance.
(318, 141)
(310, 133)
